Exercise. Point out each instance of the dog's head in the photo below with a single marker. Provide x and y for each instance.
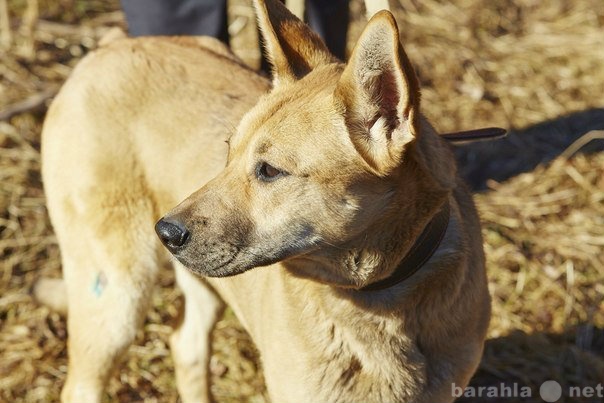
(334, 172)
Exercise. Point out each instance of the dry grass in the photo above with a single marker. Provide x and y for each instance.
(513, 64)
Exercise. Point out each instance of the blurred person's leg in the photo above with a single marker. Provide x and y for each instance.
(329, 18)
(177, 17)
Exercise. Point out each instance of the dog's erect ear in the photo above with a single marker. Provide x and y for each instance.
(292, 47)
(379, 93)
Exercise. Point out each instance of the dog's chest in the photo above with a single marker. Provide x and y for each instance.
(365, 365)
(313, 354)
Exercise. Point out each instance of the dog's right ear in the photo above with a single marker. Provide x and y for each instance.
(292, 47)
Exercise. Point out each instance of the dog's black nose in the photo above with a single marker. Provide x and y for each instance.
(173, 234)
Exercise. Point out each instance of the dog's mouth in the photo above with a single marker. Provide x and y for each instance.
(208, 255)
(230, 266)
(238, 263)
(212, 269)
(211, 259)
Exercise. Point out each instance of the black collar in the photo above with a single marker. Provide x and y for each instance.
(424, 247)
(429, 240)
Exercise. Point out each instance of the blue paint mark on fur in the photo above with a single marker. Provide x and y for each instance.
(99, 284)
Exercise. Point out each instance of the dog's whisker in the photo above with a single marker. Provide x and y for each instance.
(322, 241)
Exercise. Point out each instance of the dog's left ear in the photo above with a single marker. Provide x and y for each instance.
(292, 47)
(380, 95)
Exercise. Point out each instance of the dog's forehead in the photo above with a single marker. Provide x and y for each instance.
(292, 112)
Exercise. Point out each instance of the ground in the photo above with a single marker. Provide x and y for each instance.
(536, 68)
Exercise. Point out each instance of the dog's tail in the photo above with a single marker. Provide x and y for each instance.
(51, 292)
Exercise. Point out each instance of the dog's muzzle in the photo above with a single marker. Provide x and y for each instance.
(173, 234)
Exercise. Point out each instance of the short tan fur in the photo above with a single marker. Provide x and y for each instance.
(329, 177)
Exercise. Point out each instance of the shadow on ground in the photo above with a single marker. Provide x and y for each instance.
(522, 150)
(515, 366)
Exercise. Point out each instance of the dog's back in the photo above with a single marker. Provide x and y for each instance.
(122, 99)
(116, 111)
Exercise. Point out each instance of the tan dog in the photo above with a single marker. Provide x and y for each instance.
(373, 285)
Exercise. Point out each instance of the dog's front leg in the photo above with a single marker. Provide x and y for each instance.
(190, 342)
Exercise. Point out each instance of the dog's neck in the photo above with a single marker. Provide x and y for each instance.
(422, 250)
(361, 268)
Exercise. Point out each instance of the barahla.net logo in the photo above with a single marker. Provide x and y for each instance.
(501, 390)
(549, 391)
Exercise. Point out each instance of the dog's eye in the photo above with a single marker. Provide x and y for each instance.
(268, 173)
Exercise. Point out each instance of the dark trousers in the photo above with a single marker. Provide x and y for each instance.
(329, 18)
